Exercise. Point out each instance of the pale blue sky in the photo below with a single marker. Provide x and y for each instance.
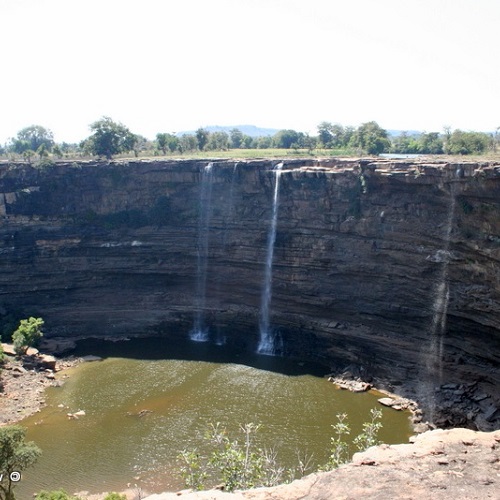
(163, 66)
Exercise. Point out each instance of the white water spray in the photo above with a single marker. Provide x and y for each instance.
(267, 342)
(200, 332)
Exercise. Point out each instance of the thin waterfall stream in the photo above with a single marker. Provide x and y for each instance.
(220, 338)
(440, 300)
(200, 332)
(267, 342)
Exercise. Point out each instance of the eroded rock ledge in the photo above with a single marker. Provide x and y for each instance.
(440, 464)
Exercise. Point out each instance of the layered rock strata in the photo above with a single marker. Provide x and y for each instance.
(387, 269)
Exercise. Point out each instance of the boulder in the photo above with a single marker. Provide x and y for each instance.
(8, 349)
(47, 361)
(386, 402)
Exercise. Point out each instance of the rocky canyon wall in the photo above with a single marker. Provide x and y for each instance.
(387, 268)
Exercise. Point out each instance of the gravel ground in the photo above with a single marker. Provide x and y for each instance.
(23, 382)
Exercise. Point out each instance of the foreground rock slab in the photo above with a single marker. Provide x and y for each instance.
(440, 464)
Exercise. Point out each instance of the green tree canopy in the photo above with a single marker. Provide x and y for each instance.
(466, 143)
(109, 138)
(430, 143)
(32, 138)
(285, 138)
(187, 142)
(264, 142)
(166, 142)
(28, 333)
(218, 141)
(371, 138)
(236, 138)
(15, 456)
(202, 138)
(325, 135)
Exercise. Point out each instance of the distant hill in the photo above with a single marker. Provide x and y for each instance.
(250, 130)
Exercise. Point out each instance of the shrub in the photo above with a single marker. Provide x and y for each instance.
(115, 496)
(237, 465)
(340, 451)
(55, 495)
(243, 465)
(27, 334)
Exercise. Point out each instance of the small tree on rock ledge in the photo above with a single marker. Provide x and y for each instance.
(27, 334)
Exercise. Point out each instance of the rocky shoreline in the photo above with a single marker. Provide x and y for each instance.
(24, 380)
(394, 401)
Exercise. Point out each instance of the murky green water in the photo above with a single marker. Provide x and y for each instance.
(112, 445)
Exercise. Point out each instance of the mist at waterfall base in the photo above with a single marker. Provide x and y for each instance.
(149, 399)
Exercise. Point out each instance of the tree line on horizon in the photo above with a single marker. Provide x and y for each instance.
(110, 138)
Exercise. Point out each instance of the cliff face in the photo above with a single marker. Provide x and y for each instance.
(387, 268)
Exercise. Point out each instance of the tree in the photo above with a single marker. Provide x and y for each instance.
(218, 141)
(15, 456)
(325, 134)
(110, 138)
(285, 138)
(402, 144)
(370, 137)
(264, 142)
(27, 334)
(57, 151)
(42, 152)
(430, 143)
(28, 154)
(248, 142)
(202, 138)
(33, 137)
(161, 142)
(236, 136)
(187, 142)
(167, 141)
(465, 143)
(308, 142)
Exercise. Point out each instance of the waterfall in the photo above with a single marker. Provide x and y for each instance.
(267, 342)
(228, 217)
(440, 300)
(199, 333)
